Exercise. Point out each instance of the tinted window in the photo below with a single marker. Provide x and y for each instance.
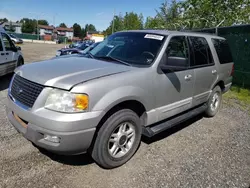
(177, 47)
(201, 51)
(223, 51)
(177, 51)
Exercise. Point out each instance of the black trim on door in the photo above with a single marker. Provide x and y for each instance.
(8, 62)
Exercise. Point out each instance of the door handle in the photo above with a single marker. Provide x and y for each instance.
(2, 53)
(214, 71)
(7, 53)
(188, 77)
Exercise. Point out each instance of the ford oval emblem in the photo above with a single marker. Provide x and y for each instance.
(19, 90)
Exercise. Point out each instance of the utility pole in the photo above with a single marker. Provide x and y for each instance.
(113, 24)
(37, 28)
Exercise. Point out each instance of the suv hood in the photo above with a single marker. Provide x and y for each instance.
(64, 73)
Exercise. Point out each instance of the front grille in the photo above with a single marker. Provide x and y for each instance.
(25, 91)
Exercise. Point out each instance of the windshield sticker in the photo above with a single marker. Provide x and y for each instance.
(156, 37)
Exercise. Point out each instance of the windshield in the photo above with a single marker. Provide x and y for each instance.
(89, 48)
(13, 36)
(130, 47)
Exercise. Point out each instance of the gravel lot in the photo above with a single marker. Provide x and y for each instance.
(37, 52)
(199, 153)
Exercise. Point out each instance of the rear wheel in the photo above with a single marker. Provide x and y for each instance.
(214, 102)
(118, 139)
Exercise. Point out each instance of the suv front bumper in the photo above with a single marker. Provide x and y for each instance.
(75, 132)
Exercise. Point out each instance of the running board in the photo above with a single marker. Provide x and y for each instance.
(154, 129)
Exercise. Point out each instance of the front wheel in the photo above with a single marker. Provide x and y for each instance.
(214, 102)
(20, 62)
(118, 139)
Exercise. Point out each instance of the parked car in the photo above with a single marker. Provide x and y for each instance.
(10, 55)
(81, 53)
(88, 49)
(15, 39)
(136, 82)
(74, 45)
(76, 50)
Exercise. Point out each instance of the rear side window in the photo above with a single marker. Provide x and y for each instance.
(201, 52)
(223, 51)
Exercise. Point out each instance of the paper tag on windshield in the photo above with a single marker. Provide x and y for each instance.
(156, 37)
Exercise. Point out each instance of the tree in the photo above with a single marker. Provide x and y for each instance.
(154, 23)
(28, 25)
(83, 32)
(211, 13)
(63, 25)
(77, 30)
(132, 21)
(169, 15)
(91, 27)
(118, 25)
(2, 20)
(43, 22)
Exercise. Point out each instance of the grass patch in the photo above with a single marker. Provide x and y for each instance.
(238, 96)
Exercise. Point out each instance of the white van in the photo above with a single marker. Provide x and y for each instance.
(10, 55)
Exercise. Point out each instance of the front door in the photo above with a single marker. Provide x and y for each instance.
(175, 89)
(2, 58)
(204, 69)
(10, 54)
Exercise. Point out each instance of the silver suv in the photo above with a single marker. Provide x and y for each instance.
(10, 55)
(133, 83)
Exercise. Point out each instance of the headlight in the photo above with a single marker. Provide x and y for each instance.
(64, 101)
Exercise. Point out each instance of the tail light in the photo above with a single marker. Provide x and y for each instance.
(232, 71)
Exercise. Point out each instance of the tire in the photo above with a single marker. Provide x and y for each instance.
(105, 141)
(20, 62)
(214, 102)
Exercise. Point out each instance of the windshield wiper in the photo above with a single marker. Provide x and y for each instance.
(109, 58)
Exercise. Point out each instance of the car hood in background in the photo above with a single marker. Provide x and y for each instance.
(68, 49)
(64, 73)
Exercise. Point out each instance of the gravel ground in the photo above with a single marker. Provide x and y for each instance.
(37, 52)
(203, 152)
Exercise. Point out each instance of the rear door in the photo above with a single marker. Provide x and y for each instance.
(10, 53)
(225, 61)
(204, 68)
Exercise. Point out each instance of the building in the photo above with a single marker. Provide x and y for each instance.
(95, 36)
(65, 32)
(12, 27)
(45, 29)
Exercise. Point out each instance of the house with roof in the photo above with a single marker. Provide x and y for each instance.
(65, 32)
(12, 27)
(45, 29)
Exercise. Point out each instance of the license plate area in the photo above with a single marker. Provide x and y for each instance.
(21, 121)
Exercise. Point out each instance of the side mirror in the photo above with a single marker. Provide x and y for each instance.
(175, 64)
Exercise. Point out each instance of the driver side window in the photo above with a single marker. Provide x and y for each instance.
(7, 42)
(177, 49)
